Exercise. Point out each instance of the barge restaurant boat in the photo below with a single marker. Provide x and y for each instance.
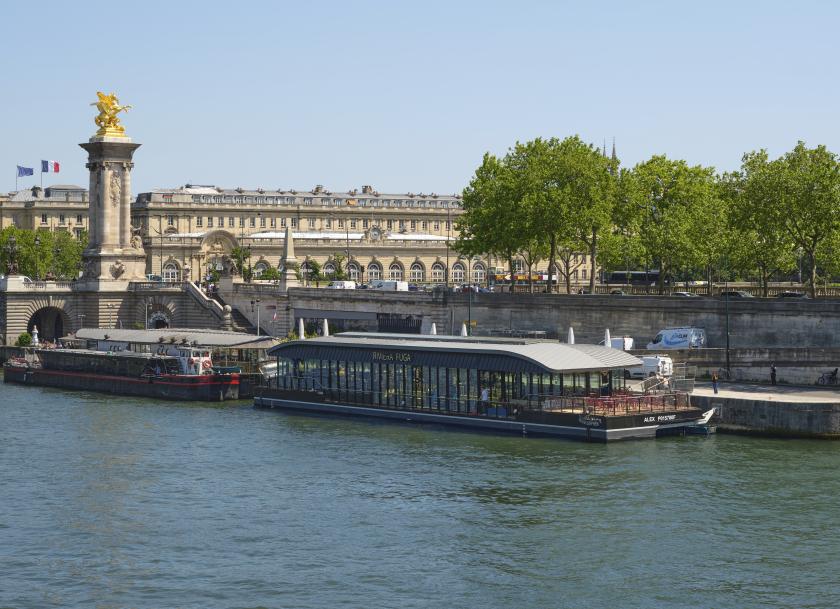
(522, 386)
(171, 363)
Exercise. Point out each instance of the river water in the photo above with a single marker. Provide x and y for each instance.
(122, 502)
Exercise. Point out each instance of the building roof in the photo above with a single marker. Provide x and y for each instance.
(303, 235)
(207, 189)
(483, 353)
(202, 338)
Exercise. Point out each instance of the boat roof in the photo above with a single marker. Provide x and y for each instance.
(180, 337)
(483, 353)
(105, 354)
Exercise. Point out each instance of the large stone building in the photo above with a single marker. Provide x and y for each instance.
(190, 230)
(55, 208)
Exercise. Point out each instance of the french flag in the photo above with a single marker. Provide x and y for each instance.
(49, 166)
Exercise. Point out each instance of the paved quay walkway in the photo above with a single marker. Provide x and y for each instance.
(779, 393)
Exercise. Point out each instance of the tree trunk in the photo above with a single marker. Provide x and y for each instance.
(551, 263)
(812, 276)
(765, 289)
(568, 276)
(661, 281)
(510, 267)
(530, 278)
(593, 260)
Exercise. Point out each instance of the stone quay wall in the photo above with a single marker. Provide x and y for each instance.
(776, 418)
(753, 323)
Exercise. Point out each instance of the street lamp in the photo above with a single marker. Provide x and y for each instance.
(81, 317)
(11, 250)
(110, 315)
(256, 302)
(37, 256)
(146, 312)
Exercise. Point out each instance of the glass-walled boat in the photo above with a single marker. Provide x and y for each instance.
(517, 385)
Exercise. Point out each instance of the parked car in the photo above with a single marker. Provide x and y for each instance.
(685, 294)
(792, 294)
(618, 292)
(413, 287)
(735, 294)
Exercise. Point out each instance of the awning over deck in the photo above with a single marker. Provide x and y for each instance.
(508, 355)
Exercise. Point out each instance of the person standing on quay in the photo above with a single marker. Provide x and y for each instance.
(715, 381)
(772, 374)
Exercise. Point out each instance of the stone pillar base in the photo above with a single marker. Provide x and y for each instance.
(128, 265)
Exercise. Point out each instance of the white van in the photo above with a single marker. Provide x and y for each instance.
(624, 343)
(652, 365)
(342, 285)
(679, 338)
(389, 286)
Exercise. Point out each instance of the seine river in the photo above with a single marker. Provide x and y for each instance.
(121, 502)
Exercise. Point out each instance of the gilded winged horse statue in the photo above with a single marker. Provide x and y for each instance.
(107, 120)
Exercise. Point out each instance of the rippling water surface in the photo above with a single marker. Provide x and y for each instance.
(122, 502)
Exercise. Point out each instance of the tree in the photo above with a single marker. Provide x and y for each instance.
(801, 196)
(239, 255)
(669, 198)
(270, 274)
(340, 273)
(492, 213)
(757, 245)
(57, 254)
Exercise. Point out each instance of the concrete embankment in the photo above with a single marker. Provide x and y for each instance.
(773, 411)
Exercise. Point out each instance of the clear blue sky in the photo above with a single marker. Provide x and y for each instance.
(408, 96)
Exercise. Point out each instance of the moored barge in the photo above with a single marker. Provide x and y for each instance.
(522, 386)
(186, 375)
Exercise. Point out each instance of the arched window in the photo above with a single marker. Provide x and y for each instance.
(479, 275)
(519, 265)
(260, 268)
(395, 272)
(171, 272)
(416, 273)
(328, 269)
(438, 272)
(374, 271)
(353, 271)
(458, 272)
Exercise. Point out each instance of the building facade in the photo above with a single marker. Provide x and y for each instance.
(55, 208)
(191, 230)
(188, 231)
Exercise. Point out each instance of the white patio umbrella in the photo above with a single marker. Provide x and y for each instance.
(571, 340)
(433, 329)
(464, 329)
(326, 327)
(607, 341)
(300, 328)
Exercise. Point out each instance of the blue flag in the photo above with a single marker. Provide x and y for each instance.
(25, 171)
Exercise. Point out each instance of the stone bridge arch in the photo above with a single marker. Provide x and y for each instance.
(54, 317)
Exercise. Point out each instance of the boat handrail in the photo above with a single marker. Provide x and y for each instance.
(588, 404)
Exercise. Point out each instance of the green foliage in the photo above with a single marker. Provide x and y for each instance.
(24, 340)
(270, 274)
(340, 268)
(239, 255)
(57, 255)
(543, 197)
